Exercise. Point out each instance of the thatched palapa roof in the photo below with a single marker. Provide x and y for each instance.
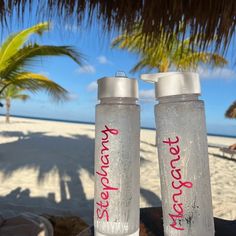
(204, 19)
(231, 112)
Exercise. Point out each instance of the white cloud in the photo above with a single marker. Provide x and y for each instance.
(92, 86)
(86, 69)
(103, 60)
(216, 73)
(147, 95)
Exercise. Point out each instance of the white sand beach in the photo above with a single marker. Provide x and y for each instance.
(47, 167)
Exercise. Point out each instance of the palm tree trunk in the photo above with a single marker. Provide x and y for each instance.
(8, 105)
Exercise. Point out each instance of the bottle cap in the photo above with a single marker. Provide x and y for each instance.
(174, 83)
(118, 86)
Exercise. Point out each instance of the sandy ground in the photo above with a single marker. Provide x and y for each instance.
(47, 167)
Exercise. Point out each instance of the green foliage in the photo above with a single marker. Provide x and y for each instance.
(35, 82)
(162, 56)
(15, 41)
(16, 56)
(14, 92)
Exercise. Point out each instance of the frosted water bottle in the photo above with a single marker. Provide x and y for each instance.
(183, 155)
(117, 159)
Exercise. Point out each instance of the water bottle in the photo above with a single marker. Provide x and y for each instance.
(117, 159)
(183, 155)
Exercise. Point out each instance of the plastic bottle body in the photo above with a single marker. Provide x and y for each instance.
(184, 166)
(116, 200)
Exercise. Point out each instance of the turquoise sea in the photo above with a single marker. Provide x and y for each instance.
(213, 130)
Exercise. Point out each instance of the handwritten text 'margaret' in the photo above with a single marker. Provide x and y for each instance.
(102, 173)
(177, 184)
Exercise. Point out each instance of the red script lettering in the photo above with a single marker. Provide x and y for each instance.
(177, 183)
(103, 205)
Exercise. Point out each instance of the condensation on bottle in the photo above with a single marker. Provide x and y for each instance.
(117, 159)
(182, 155)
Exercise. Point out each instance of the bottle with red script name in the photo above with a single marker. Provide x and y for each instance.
(183, 155)
(117, 168)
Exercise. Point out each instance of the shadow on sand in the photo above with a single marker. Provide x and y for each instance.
(151, 198)
(46, 154)
(233, 159)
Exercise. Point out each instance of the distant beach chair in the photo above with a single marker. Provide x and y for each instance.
(225, 149)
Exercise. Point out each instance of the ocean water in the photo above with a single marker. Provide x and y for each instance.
(222, 130)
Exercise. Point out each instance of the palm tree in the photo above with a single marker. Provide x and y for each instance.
(16, 55)
(162, 56)
(12, 92)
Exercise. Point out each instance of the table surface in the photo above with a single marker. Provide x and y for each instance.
(151, 224)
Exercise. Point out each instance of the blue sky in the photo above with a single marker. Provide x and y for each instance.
(218, 85)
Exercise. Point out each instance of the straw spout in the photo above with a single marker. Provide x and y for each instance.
(174, 83)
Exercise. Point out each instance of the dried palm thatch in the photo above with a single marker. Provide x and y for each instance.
(205, 20)
(231, 111)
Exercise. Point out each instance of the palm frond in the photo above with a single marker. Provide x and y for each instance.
(27, 54)
(134, 42)
(22, 97)
(16, 41)
(14, 92)
(193, 60)
(141, 65)
(36, 82)
(182, 53)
